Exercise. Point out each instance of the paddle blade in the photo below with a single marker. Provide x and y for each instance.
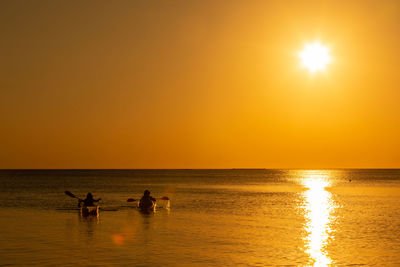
(131, 200)
(165, 198)
(69, 194)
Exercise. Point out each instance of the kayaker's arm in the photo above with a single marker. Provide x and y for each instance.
(97, 200)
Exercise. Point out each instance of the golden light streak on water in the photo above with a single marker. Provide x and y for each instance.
(318, 207)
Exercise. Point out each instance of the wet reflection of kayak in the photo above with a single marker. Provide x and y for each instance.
(89, 210)
(147, 205)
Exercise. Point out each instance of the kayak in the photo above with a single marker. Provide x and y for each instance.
(90, 211)
(147, 205)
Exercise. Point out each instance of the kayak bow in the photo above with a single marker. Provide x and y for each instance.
(89, 211)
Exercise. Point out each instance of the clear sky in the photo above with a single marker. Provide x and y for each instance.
(198, 84)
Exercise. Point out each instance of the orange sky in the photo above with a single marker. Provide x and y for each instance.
(198, 84)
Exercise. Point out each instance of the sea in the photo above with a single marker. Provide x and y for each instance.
(236, 217)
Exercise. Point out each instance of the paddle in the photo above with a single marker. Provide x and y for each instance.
(133, 200)
(73, 196)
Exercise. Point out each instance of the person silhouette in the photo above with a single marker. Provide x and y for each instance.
(89, 200)
(147, 202)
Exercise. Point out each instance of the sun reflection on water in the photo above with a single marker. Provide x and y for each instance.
(318, 207)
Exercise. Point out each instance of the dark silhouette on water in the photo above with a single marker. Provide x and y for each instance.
(88, 208)
(88, 201)
(147, 203)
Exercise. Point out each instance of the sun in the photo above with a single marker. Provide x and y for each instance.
(315, 57)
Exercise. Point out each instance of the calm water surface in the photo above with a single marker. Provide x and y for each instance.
(217, 218)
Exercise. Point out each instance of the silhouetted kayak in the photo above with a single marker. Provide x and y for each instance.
(89, 211)
(147, 205)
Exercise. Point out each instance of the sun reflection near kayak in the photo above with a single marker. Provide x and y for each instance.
(318, 207)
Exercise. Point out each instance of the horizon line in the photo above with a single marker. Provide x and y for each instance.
(110, 169)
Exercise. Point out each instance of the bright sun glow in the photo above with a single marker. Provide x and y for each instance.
(315, 57)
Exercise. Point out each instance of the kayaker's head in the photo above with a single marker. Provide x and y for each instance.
(146, 193)
(89, 196)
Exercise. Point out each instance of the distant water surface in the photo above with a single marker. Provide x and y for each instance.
(217, 218)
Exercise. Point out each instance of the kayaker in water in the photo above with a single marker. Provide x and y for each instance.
(89, 201)
(146, 202)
